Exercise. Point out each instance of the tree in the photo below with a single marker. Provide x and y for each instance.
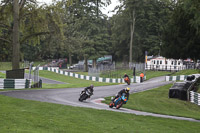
(85, 21)
(181, 38)
(5, 30)
(33, 23)
(139, 23)
(15, 56)
(6, 7)
(18, 6)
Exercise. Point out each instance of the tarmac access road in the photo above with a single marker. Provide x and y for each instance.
(70, 96)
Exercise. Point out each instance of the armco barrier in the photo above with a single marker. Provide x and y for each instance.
(195, 97)
(98, 79)
(15, 83)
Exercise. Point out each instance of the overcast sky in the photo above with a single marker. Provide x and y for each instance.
(107, 10)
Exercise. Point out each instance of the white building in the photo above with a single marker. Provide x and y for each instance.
(162, 63)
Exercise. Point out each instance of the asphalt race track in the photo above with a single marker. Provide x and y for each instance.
(69, 96)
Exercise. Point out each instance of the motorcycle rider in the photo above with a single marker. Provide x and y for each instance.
(125, 75)
(126, 91)
(90, 88)
(128, 82)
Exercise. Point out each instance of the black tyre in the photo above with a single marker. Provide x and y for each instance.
(80, 99)
(83, 97)
(111, 105)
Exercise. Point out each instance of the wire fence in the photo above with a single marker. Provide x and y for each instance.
(100, 69)
(113, 71)
(137, 66)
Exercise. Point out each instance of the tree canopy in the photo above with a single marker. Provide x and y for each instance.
(77, 29)
(181, 38)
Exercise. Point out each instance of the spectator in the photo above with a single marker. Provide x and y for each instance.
(141, 77)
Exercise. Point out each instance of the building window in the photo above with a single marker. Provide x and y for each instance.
(157, 62)
(172, 62)
(160, 62)
(154, 62)
(179, 63)
(166, 62)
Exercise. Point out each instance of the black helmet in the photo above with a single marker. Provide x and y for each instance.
(92, 86)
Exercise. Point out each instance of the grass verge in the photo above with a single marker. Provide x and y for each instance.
(18, 115)
(157, 101)
(153, 74)
(120, 73)
(2, 75)
(187, 72)
(71, 82)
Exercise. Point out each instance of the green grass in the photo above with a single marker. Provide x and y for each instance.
(153, 74)
(71, 81)
(120, 73)
(24, 116)
(117, 73)
(2, 75)
(157, 101)
(187, 72)
(149, 74)
(198, 86)
(198, 91)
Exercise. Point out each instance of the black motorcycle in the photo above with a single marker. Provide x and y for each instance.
(85, 95)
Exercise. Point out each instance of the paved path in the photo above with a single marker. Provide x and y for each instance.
(69, 96)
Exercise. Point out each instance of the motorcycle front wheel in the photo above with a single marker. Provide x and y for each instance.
(111, 105)
(80, 99)
(119, 104)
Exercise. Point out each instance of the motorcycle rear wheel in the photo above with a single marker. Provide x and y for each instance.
(83, 97)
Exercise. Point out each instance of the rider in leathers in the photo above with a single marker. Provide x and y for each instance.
(126, 91)
(90, 88)
(125, 75)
